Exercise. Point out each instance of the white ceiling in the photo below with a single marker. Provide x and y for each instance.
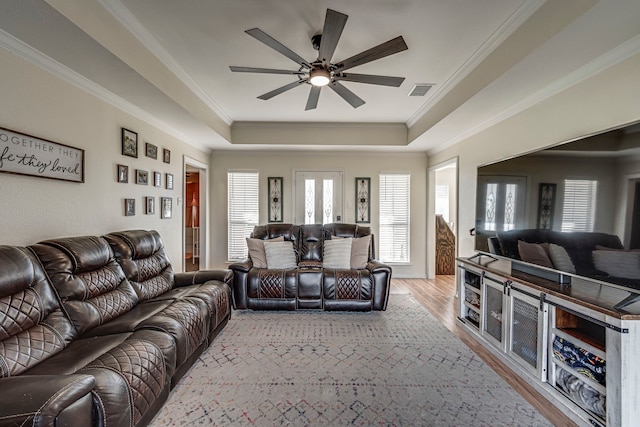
(167, 62)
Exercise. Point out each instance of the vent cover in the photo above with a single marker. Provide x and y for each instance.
(420, 89)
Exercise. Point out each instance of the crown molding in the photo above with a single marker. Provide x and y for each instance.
(129, 21)
(505, 30)
(34, 56)
(613, 57)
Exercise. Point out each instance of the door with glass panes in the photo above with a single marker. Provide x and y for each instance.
(318, 197)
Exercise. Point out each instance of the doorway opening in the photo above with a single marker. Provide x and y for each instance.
(195, 217)
(444, 219)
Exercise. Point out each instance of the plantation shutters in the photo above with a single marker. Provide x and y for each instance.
(394, 217)
(242, 211)
(579, 206)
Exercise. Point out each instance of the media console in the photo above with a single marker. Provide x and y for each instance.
(575, 344)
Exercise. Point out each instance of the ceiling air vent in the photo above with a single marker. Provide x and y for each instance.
(420, 89)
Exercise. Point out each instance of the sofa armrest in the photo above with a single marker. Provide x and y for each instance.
(382, 283)
(243, 266)
(202, 276)
(47, 400)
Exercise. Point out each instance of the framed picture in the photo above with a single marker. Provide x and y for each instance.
(157, 177)
(151, 150)
(275, 199)
(166, 156)
(129, 207)
(165, 207)
(363, 201)
(142, 177)
(123, 173)
(546, 202)
(169, 181)
(129, 143)
(149, 205)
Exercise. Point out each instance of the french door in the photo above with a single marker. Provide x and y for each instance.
(318, 197)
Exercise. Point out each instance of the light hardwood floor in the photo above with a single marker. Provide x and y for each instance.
(438, 297)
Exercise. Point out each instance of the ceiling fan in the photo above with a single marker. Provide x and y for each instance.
(323, 72)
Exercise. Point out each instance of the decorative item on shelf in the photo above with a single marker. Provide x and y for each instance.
(169, 181)
(123, 173)
(142, 177)
(157, 178)
(275, 199)
(24, 154)
(546, 202)
(166, 156)
(166, 207)
(151, 150)
(129, 143)
(129, 207)
(363, 202)
(150, 205)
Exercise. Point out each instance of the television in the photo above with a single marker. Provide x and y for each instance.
(570, 210)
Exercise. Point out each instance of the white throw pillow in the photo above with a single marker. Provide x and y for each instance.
(561, 259)
(280, 255)
(337, 253)
(618, 263)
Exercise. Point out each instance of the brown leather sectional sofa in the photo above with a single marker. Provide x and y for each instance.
(310, 284)
(95, 331)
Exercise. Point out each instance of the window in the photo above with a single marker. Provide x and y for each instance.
(579, 206)
(394, 217)
(242, 211)
(501, 204)
(442, 201)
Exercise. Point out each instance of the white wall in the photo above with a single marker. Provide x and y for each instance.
(604, 101)
(353, 164)
(35, 102)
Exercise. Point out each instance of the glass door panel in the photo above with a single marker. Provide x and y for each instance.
(318, 197)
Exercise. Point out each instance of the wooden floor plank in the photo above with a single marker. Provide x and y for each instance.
(438, 297)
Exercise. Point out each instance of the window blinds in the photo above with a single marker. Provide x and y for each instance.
(394, 217)
(242, 211)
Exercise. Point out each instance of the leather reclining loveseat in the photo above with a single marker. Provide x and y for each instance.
(95, 331)
(310, 284)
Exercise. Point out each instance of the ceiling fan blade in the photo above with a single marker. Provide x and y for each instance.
(347, 95)
(276, 45)
(371, 79)
(280, 90)
(333, 25)
(385, 49)
(263, 70)
(312, 101)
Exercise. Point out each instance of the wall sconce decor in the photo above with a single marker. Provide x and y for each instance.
(546, 202)
(275, 199)
(363, 201)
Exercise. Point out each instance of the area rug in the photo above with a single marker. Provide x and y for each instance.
(400, 367)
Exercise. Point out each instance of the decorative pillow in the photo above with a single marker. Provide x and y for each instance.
(561, 259)
(535, 253)
(360, 252)
(256, 251)
(337, 253)
(618, 263)
(280, 255)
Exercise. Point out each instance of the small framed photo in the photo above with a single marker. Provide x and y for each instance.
(157, 178)
(149, 205)
(151, 150)
(129, 207)
(165, 207)
(123, 173)
(129, 143)
(142, 177)
(169, 181)
(166, 155)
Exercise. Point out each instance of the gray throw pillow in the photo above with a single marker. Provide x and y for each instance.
(561, 259)
(256, 251)
(337, 253)
(360, 252)
(280, 255)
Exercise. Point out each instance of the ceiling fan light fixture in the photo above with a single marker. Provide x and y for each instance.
(319, 77)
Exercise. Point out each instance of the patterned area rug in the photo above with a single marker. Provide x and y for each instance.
(400, 367)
